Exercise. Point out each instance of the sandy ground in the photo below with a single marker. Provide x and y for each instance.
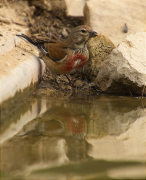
(16, 16)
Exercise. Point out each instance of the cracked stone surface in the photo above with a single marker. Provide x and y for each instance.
(125, 68)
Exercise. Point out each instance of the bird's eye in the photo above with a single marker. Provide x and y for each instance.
(83, 31)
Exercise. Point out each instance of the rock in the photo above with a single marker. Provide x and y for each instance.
(99, 48)
(125, 68)
(78, 83)
(5, 20)
(49, 5)
(75, 8)
(71, 8)
(125, 29)
(109, 17)
(64, 33)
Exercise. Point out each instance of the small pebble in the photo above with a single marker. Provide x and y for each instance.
(125, 30)
(68, 87)
(18, 30)
(64, 33)
(79, 83)
(5, 20)
(7, 64)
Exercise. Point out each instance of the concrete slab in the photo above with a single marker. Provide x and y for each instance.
(20, 68)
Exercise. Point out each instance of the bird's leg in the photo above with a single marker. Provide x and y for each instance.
(60, 89)
(54, 77)
(71, 82)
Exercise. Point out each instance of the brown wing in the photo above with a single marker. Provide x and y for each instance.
(57, 51)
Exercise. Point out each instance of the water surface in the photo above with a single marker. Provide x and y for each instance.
(100, 137)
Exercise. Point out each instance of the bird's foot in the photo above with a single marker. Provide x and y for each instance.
(71, 82)
(59, 88)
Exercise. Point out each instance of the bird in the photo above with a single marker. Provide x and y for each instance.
(65, 57)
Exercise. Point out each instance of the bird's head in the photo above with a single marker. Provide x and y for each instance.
(80, 36)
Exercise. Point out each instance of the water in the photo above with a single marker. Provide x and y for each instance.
(101, 137)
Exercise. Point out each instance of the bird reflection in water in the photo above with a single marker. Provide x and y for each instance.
(65, 123)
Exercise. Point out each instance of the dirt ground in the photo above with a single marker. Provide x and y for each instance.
(52, 25)
(12, 19)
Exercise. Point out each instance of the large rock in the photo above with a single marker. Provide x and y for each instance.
(109, 17)
(75, 8)
(125, 68)
(99, 48)
(49, 5)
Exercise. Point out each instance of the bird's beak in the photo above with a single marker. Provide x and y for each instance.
(93, 33)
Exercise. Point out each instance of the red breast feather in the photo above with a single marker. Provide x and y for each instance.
(75, 62)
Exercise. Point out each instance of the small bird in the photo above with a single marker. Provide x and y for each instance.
(65, 57)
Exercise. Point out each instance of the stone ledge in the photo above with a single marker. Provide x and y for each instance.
(23, 73)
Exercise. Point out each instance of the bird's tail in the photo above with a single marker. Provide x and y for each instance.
(38, 44)
(28, 40)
